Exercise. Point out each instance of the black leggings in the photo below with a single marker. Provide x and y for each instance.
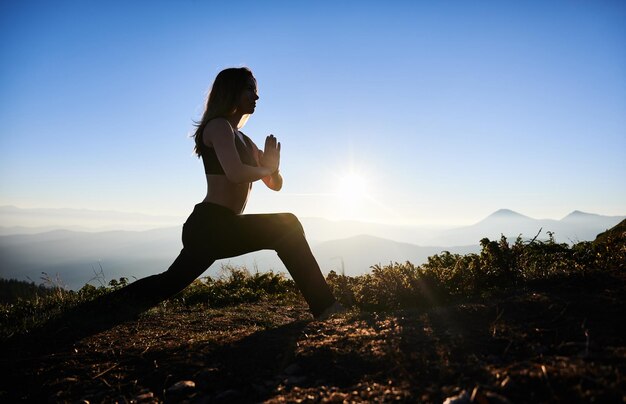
(213, 232)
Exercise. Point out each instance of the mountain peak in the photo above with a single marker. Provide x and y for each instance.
(506, 214)
(502, 215)
(578, 215)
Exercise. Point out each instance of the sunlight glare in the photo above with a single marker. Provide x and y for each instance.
(352, 186)
(352, 191)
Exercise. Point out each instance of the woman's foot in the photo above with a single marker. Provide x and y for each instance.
(335, 308)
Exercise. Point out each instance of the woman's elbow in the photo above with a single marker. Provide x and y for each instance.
(278, 183)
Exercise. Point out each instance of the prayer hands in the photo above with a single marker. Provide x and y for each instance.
(270, 156)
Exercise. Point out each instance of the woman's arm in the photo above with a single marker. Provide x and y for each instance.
(220, 136)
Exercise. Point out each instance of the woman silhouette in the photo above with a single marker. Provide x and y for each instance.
(217, 228)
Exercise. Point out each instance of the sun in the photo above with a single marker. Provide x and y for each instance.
(352, 193)
(354, 196)
(351, 186)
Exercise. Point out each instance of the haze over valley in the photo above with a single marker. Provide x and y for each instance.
(77, 255)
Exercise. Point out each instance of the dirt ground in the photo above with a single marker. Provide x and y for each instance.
(557, 341)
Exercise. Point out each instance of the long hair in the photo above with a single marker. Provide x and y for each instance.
(223, 99)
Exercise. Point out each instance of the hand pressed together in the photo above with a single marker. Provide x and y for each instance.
(270, 156)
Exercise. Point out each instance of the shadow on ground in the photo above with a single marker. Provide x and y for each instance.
(561, 340)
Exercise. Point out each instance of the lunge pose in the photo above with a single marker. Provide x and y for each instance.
(217, 227)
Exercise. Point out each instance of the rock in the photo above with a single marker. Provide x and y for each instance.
(182, 386)
(149, 396)
(462, 398)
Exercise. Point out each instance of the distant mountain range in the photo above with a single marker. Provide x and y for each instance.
(78, 256)
(575, 227)
(355, 255)
(351, 247)
(14, 220)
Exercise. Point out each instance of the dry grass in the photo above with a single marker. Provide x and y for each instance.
(549, 341)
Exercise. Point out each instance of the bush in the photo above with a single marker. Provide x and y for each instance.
(237, 286)
(499, 265)
(25, 314)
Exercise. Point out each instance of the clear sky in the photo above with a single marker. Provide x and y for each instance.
(442, 111)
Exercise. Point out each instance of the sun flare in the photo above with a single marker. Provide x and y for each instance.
(352, 189)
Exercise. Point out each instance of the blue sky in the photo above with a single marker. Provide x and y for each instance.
(447, 111)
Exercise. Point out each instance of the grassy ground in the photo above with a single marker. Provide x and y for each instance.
(546, 341)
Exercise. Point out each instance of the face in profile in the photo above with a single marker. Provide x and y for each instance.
(248, 98)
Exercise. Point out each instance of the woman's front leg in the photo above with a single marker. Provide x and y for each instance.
(284, 233)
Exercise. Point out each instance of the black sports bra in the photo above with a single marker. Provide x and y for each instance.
(212, 164)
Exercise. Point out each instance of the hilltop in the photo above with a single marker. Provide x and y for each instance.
(523, 322)
(550, 340)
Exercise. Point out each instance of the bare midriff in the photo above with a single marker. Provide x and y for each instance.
(223, 192)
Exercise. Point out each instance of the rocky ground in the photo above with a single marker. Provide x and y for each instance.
(557, 341)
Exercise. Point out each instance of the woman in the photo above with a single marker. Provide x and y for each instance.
(217, 228)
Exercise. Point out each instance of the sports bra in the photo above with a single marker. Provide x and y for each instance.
(212, 163)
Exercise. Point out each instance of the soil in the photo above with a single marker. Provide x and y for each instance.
(556, 341)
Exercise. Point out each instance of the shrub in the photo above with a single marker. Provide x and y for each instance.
(25, 314)
(499, 265)
(236, 286)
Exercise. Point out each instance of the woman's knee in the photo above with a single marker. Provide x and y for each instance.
(291, 222)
